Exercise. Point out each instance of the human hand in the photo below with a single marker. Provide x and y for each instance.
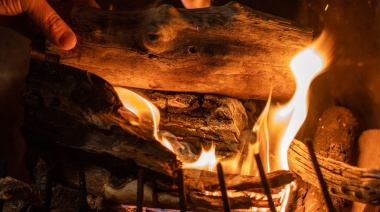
(44, 17)
(191, 4)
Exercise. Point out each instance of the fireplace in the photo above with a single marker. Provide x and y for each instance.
(87, 154)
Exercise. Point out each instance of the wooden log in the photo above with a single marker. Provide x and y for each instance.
(73, 108)
(343, 180)
(11, 188)
(230, 50)
(54, 90)
(201, 119)
(333, 139)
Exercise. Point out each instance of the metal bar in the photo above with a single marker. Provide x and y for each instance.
(3, 173)
(223, 189)
(140, 190)
(264, 182)
(83, 205)
(181, 190)
(48, 191)
(317, 168)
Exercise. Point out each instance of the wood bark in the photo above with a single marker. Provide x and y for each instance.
(343, 180)
(82, 99)
(230, 50)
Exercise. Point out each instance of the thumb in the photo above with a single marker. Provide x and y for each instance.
(51, 25)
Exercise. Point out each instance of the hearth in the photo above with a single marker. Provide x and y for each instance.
(89, 151)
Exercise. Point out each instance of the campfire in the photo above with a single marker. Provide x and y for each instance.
(165, 108)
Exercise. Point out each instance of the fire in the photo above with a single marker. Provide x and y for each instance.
(146, 111)
(207, 160)
(270, 137)
(139, 106)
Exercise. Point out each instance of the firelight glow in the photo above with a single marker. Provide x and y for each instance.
(275, 129)
(305, 67)
(206, 161)
(139, 106)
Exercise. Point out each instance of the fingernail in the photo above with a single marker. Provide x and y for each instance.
(67, 40)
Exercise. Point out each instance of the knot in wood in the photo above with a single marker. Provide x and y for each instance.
(162, 25)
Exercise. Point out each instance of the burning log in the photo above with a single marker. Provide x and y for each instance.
(333, 139)
(217, 50)
(196, 119)
(85, 102)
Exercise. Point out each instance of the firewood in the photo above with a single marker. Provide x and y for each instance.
(11, 188)
(333, 139)
(116, 184)
(369, 157)
(83, 101)
(343, 180)
(208, 181)
(230, 50)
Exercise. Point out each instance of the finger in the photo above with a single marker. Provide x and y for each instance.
(51, 25)
(191, 4)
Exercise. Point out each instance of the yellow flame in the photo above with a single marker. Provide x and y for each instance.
(206, 161)
(305, 66)
(166, 144)
(139, 106)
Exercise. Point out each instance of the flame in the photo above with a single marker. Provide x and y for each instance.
(278, 124)
(305, 67)
(139, 106)
(273, 132)
(207, 160)
(146, 111)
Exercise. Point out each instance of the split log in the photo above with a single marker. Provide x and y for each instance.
(230, 50)
(343, 180)
(334, 138)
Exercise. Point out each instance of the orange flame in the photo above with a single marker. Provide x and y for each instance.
(274, 130)
(146, 111)
(139, 106)
(281, 123)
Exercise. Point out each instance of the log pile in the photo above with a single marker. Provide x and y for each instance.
(91, 134)
(73, 123)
